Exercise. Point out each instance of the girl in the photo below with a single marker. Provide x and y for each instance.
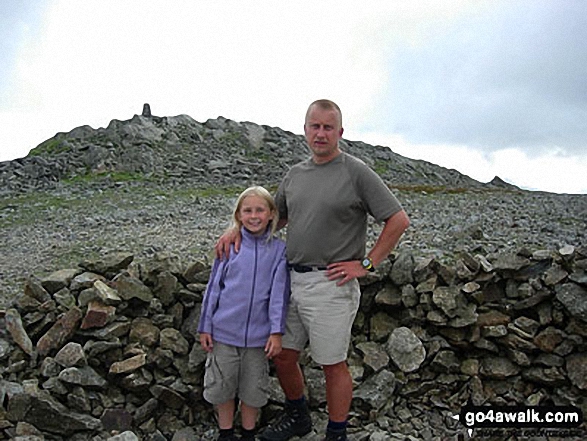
(243, 314)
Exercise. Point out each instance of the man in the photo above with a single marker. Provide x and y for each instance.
(325, 201)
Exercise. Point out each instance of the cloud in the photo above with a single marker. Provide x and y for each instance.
(466, 79)
(498, 77)
(553, 171)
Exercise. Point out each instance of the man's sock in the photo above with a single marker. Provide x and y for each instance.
(297, 403)
(336, 426)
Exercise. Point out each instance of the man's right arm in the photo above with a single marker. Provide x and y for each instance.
(222, 247)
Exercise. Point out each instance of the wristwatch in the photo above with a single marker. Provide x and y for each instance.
(367, 263)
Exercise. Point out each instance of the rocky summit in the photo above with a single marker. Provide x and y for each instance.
(107, 239)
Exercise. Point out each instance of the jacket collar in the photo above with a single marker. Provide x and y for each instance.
(248, 236)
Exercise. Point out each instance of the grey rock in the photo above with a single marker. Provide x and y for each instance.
(71, 355)
(405, 349)
(377, 390)
(18, 332)
(574, 298)
(576, 365)
(47, 414)
(83, 376)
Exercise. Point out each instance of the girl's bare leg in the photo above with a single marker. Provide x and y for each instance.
(248, 416)
(225, 414)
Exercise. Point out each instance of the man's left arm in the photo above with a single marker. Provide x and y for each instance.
(388, 239)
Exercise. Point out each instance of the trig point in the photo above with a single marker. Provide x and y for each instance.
(146, 110)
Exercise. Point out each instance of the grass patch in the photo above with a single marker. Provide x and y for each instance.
(52, 146)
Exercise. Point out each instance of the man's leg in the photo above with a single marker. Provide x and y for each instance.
(289, 374)
(339, 394)
(296, 419)
(339, 391)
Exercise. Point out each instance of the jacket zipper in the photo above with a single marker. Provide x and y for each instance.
(251, 297)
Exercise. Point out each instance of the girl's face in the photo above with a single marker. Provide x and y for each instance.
(254, 214)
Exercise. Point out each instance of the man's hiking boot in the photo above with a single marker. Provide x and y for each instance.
(295, 421)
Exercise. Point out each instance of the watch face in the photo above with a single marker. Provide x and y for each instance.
(366, 263)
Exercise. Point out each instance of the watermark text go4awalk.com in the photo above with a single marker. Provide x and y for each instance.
(563, 417)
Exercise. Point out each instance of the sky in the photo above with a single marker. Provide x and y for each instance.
(489, 88)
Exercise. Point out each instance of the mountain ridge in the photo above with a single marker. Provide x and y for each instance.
(216, 152)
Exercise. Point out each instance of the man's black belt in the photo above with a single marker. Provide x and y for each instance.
(307, 269)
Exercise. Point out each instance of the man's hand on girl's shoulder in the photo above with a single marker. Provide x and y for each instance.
(222, 247)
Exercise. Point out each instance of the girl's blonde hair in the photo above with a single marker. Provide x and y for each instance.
(266, 196)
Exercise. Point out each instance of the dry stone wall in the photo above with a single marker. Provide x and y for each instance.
(108, 351)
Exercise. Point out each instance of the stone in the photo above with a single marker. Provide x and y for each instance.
(109, 263)
(125, 436)
(545, 376)
(493, 318)
(171, 338)
(185, 434)
(33, 288)
(83, 376)
(389, 295)
(71, 355)
(510, 262)
(98, 315)
(576, 365)
(494, 331)
(144, 331)
(60, 332)
(409, 297)
(17, 331)
(119, 420)
(554, 275)
(146, 410)
(106, 294)
(446, 361)
(166, 287)
(574, 298)
(402, 269)
(470, 367)
(60, 279)
(548, 339)
(47, 414)
(377, 390)
(168, 396)
(65, 298)
(405, 349)
(381, 325)
(525, 327)
(374, 355)
(447, 299)
(129, 365)
(85, 280)
(129, 287)
(498, 368)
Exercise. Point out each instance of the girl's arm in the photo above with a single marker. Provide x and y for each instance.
(211, 297)
(206, 341)
(273, 346)
(279, 299)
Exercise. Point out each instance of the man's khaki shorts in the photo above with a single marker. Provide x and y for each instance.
(236, 372)
(322, 313)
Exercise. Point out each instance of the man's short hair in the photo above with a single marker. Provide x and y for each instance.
(326, 105)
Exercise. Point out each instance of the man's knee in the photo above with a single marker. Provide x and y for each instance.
(336, 370)
(286, 358)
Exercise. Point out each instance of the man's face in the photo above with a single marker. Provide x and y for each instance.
(323, 131)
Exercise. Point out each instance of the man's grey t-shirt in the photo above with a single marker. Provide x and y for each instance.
(326, 207)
